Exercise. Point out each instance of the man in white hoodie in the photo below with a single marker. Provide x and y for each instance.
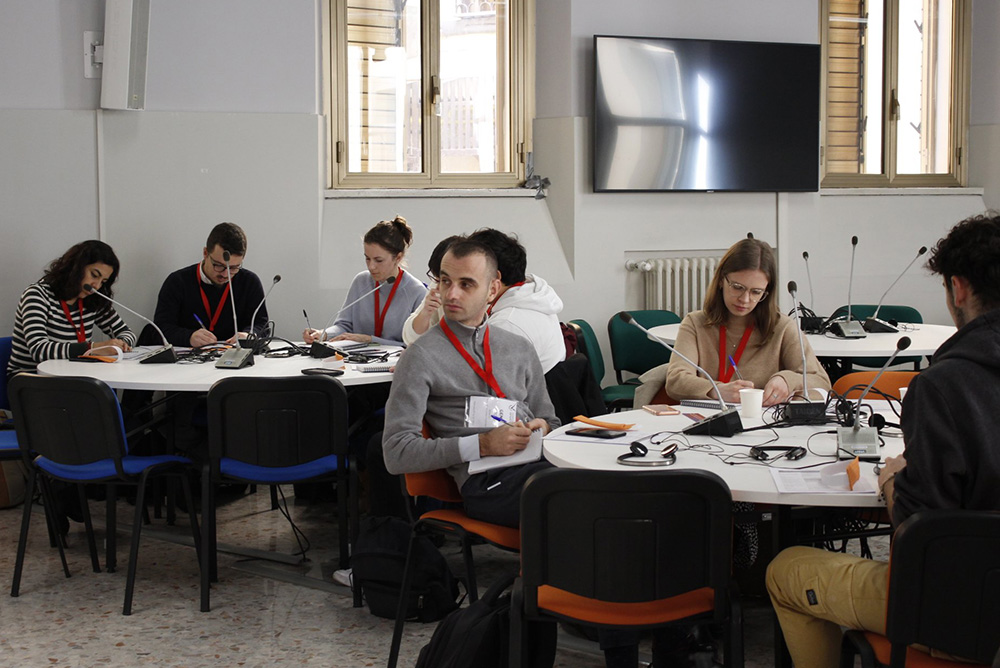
(527, 305)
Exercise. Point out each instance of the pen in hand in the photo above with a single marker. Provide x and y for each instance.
(735, 368)
(306, 316)
(200, 323)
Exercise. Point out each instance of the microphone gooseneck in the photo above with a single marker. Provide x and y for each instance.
(792, 290)
(253, 318)
(901, 345)
(232, 295)
(850, 280)
(388, 281)
(165, 354)
(812, 301)
(923, 249)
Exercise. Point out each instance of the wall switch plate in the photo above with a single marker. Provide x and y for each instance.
(93, 54)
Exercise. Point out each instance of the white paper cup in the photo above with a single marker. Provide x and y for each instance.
(751, 402)
(902, 393)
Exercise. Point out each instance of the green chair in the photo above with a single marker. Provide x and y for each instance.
(902, 314)
(616, 397)
(631, 350)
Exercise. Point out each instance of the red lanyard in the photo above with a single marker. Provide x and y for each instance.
(81, 331)
(487, 374)
(726, 371)
(380, 317)
(489, 310)
(204, 300)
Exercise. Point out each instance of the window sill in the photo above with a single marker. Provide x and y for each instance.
(420, 193)
(897, 192)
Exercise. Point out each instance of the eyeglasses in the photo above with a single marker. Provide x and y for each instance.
(220, 266)
(431, 277)
(738, 289)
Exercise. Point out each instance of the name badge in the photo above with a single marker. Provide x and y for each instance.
(489, 412)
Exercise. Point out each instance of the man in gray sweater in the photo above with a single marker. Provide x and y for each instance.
(460, 358)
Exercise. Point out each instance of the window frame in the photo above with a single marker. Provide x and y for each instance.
(957, 175)
(521, 94)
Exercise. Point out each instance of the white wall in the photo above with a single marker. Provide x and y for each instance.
(231, 132)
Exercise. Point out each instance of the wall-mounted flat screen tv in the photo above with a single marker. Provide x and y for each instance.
(705, 115)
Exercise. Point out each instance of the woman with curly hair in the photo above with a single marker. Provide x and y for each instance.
(56, 316)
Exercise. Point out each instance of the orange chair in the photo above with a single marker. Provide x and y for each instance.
(852, 385)
(440, 485)
(632, 551)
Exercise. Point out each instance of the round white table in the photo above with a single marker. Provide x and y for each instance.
(181, 377)
(925, 339)
(748, 480)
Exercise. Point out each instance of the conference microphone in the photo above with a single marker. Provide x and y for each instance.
(318, 350)
(725, 423)
(873, 324)
(232, 295)
(804, 411)
(858, 441)
(849, 329)
(253, 339)
(164, 355)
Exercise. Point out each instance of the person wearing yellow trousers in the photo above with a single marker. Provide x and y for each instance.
(949, 421)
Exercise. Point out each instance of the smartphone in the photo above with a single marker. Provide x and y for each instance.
(595, 432)
(320, 371)
(661, 409)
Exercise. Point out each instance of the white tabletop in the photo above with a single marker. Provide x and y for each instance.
(924, 340)
(179, 377)
(751, 482)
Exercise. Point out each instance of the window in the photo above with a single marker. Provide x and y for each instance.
(429, 93)
(896, 92)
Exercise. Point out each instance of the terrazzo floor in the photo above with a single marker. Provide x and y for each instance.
(263, 613)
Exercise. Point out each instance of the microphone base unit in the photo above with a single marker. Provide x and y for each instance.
(811, 324)
(879, 326)
(861, 443)
(848, 329)
(235, 358)
(164, 355)
(805, 412)
(725, 423)
(321, 351)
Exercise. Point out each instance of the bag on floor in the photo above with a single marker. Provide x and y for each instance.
(477, 635)
(377, 564)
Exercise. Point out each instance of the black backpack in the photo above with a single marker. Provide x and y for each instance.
(473, 636)
(378, 560)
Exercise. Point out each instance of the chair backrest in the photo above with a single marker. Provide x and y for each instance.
(944, 584)
(887, 312)
(277, 422)
(625, 538)
(6, 344)
(586, 343)
(573, 390)
(69, 420)
(889, 383)
(437, 484)
(631, 350)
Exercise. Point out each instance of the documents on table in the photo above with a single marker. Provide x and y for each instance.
(831, 479)
(532, 453)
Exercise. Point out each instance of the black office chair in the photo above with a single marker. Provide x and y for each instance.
(626, 550)
(944, 592)
(71, 429)
(276, 431)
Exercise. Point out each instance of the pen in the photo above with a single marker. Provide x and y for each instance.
(199, 321)
(306, 316)
(500, 419)
(735, 368)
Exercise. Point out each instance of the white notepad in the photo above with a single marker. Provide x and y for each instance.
(532, 453)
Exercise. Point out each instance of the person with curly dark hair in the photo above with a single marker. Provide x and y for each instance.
(379, 317)
(56, 316)
(950, 460)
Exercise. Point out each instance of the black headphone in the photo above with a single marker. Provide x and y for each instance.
(791, 452)
(880, 423)
(637, 453)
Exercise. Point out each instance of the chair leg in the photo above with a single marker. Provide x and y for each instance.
(133, 554)
(354, 490)
(404, 595)
(111, 521)
(734, 634)
(192, 515)
(15, 586)
(50, 518)
(515, 650)
(207, 544)
(470, 567)
(342, 519)
(89, 526)
(274, 500)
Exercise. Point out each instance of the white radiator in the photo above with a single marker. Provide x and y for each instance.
(676, 284)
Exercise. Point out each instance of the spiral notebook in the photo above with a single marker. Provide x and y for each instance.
(375, 368)
(705, 403)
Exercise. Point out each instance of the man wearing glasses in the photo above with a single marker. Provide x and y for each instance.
(195, 304)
